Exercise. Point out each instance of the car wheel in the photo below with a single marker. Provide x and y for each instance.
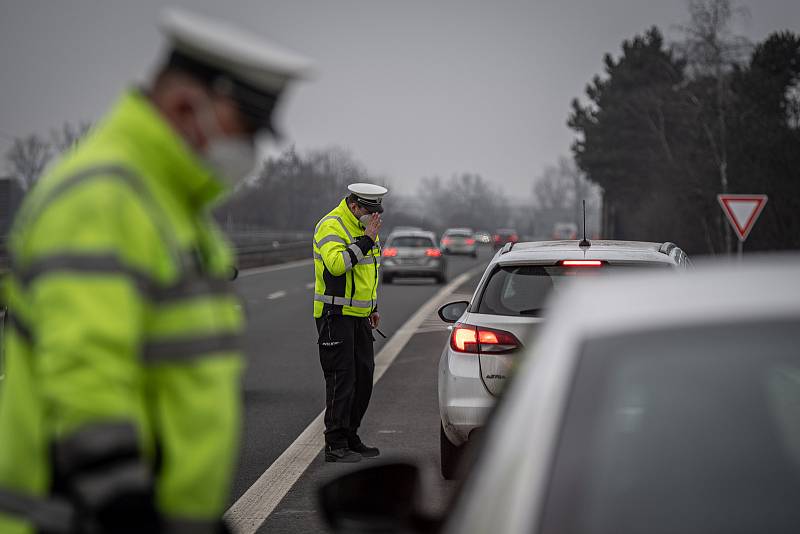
(441, 279)
(387, 279)
(450, 456)
(475, 254)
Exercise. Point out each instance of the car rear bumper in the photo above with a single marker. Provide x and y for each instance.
(460, 249)
(464, 402)
(433, 267)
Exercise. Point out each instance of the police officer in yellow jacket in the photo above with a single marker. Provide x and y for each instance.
(346, 260)
(120, 407)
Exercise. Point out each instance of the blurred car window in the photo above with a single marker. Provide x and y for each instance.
(523, 289)
(681, 430)
(411, 241)
(458, 233)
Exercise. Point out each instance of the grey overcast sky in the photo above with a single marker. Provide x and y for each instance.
(412, 88)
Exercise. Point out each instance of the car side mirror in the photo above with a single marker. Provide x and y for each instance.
(451, 312)
(382, 498)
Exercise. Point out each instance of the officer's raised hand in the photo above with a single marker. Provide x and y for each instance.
(373, 226)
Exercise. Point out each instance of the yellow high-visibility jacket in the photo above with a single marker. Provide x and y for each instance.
(346, 264)
(122, 343)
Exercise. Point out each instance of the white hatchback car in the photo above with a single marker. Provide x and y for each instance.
(650, 403)
(507, 309)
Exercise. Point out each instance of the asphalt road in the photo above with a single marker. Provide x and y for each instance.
(284, 387)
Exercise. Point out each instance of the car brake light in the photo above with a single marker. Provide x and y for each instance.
(390, 252)
(433, 252)
(446, 241)
(582, 263)
(479, 340)
(514, 238)
(470, 241)
(497, 238)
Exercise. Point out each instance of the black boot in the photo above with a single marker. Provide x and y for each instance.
(343, 455)
(367, 452)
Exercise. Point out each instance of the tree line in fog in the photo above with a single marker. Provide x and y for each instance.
(667, 127)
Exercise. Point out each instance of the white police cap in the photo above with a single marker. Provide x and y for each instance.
(369, 196)
(249, 69)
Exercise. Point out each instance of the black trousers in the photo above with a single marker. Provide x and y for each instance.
(348, 363)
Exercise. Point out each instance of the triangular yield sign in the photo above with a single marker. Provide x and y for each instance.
(742, 211)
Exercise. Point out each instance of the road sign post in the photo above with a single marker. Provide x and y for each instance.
(742, 212)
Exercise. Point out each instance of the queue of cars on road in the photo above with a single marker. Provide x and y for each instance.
(639, 394)
(411, 252)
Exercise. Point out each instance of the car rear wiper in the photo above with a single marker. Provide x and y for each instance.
(531, 311)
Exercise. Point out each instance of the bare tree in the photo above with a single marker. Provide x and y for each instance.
(712, 50)
(564, 186)
(69, 134)
(27, 158)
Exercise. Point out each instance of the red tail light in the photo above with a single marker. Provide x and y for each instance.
(582, 263)
(470, 241)
(480, 340)
(496, 237)
(514, 238)
(446, 241)
(433, 252)
(390, 252)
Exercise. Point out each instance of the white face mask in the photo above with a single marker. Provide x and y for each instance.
(232, 158)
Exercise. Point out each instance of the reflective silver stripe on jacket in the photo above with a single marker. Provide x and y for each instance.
(344, 301)
(348, 261)
(48, 515)
(357, 251)
(341, 223)
(84, 263)
(367, 261)
(329, 239)
(317, 256)
(105, 263)
(97, 487)
(180, 350)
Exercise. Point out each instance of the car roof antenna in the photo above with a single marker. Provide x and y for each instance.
(584, 242)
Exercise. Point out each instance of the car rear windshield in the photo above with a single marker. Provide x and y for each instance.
(411, 241)
(457, 233)
(521, 290)
(693, 431)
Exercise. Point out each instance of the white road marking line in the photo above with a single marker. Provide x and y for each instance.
(250, 511)
(270, 268)
(390, 431)
(310, 285)
(276, 295)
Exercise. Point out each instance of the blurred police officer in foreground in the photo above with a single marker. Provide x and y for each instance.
(120, 407)
(346, 256)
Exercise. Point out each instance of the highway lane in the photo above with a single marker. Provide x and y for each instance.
(283, 384)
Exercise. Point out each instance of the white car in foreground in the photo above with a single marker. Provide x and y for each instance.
(507, 311)
(651, 403)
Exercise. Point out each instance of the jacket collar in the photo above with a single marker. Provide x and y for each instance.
(168, 159)
(348, 216)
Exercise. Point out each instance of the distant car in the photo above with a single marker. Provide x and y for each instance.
(565, 230)
(503, 236)
(483, 238)
(672, 410)
(459, 241)
(412, 253)
(507, 308)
